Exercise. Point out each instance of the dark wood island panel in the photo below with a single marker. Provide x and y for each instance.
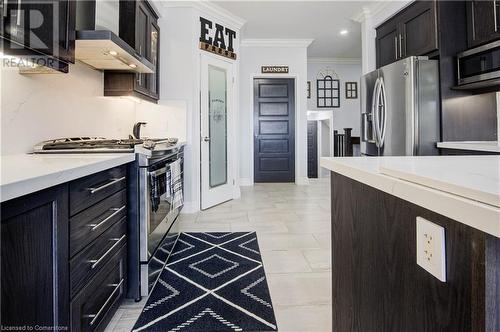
(377, 284)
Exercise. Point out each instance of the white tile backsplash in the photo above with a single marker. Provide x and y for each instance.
(45, 106)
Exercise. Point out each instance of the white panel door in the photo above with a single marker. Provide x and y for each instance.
(216, 131)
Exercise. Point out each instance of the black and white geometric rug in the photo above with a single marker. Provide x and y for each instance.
(212, 282)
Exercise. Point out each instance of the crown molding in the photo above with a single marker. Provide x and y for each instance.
(335, 61)
(276, 42)
(375, 8)
(370, 11)
(209, 8)
(362, 15)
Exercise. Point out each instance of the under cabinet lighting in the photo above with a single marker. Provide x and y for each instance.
(132, 98)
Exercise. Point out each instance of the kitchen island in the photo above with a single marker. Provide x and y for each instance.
(377, 283)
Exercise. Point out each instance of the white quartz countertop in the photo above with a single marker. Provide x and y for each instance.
(26, 173)
(463, 188)
(483, 146)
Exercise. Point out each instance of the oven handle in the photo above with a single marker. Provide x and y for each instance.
(160, 171)
(104, 186)
(116, 211)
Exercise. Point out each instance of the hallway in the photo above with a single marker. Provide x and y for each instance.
(293, 227)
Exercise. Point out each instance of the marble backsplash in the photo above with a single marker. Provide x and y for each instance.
(39, 107)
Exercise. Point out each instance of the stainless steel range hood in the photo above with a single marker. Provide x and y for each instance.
(97, 43)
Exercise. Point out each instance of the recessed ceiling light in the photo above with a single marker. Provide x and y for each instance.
(344, 32)
(113, 53)
(132, 65)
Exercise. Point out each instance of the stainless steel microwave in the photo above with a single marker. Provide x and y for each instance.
(480, 67)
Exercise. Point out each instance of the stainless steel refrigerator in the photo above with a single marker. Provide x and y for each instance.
(400, 109)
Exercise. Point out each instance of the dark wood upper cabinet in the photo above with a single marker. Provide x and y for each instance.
(42, 31)
(34, 256)
(419, 29)
(413, 31)
(483, 22)
(387, 43)
(139, 28)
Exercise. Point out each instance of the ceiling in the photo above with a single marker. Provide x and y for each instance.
(319, 20)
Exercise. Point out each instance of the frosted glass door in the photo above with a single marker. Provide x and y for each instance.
(216, 131)
(217, 125)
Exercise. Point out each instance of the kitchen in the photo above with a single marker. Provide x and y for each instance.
(151, 162)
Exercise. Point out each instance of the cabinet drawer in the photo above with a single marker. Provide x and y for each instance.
(95, 305)
(92, 259)
(89, 190)
(87, 225)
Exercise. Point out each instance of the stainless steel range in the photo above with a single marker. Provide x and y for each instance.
(160, 202)
(155, 198)
(92, 144)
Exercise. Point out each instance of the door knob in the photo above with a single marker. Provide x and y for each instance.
(206, 139)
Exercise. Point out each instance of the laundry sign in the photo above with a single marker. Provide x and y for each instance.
(217, 39)
(274, 70)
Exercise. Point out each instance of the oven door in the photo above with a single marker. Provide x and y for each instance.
(157, 215)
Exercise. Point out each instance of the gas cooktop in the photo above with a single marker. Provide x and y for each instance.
(90, 144)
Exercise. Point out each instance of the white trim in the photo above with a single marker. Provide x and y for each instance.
(276, 42)
(362, 15)
(190, 207)
(373, 10)
(209, 8)
(336, 61)
(246, 182)
(302, 181)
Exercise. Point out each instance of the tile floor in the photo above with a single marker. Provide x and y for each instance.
(294, 234)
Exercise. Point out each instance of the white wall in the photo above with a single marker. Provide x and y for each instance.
(252, 58)
(348, 115)
(180, 57)
(39, 107)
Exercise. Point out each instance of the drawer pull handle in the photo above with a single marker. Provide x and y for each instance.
(96, 262)
(116, 211)
(96, 316)
(94, 190)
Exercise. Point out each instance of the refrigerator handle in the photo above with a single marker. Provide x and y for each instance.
(374, 110)
(384, 112)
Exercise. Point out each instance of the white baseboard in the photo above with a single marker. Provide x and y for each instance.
(190, 207)
(302, 181)
(236, 192)
(246, 182)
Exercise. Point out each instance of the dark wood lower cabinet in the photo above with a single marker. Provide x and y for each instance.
(377, 284)
(46, 286)
(457, 152)
(92, 308)
(34, 268)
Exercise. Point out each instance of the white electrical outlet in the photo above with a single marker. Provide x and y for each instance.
(431, 248)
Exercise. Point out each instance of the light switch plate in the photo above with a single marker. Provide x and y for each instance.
(431, 248)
